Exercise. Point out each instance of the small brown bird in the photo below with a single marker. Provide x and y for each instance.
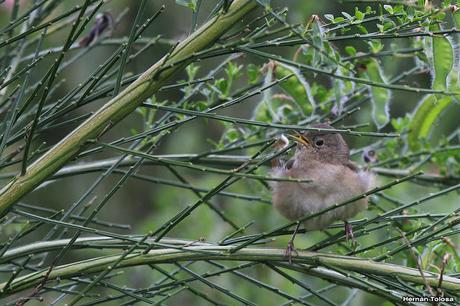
(322, 157)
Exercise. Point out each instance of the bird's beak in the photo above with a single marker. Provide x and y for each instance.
(299, 138)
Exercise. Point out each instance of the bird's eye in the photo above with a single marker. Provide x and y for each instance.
(319, 143)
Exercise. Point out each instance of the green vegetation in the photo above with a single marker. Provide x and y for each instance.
(135, 150)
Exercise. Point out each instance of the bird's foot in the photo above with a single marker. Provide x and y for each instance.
(290, 247)
(349, 233)
(289, 250)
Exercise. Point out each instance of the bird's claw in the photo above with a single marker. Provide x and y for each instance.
(289, 250)
(349, 233)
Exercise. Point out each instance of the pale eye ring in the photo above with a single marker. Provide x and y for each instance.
(319, 143)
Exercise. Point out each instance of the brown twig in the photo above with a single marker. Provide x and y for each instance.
(36, 290)
(418, 261)
(445, 259)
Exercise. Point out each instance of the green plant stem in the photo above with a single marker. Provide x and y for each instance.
(121, 105)
(226, 161)
(265, 124)
(274, 255)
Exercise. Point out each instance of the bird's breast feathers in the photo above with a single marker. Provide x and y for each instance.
(331, 184)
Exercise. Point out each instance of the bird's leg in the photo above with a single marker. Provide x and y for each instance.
(349, 232)
(290, 247)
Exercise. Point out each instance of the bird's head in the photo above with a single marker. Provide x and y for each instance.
(328, 147)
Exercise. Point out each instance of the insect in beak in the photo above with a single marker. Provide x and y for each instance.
(299, 138)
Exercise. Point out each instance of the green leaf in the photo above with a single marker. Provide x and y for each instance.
(389, 9)
(359, 15)
(443, 59)
(398, 9)
(348, 16)
(424, 117)
(329, 17)
(191, 4)
(388, 25)
(191, 70)
(380, 96)
(296, 86)
(253, 73)
(350, 50)
(400, 124)
(376, 46)
(231, 134)
(456, 15)
(221, 85)
(362, 29)
(264, 110)
(431, 107)
(233, 70)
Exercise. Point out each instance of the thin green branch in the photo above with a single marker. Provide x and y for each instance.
(159, 256)
(266, 124)
(120, 106)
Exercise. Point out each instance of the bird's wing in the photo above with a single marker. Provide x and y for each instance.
(352, 166)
